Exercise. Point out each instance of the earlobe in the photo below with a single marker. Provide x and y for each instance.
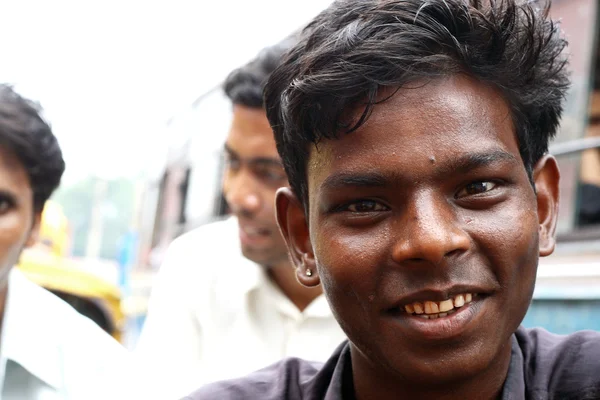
(294, 229)
(307, 273)
(547, 178)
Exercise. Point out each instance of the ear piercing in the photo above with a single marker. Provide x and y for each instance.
(308, 272)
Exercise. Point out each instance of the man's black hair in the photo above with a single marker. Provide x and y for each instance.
(25, 133)
(244, 86)
(353, 49)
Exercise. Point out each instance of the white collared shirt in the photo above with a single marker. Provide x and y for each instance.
(214, 314)
(48, 351)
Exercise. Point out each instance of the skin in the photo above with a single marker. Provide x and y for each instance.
(19, 224)
(252, 176)
(430, 193)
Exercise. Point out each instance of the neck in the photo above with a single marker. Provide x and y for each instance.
(370, 383)
(284, 277)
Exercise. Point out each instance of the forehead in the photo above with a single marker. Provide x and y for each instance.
(419, 129)
(250, 134)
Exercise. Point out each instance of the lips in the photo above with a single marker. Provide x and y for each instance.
(253, 231)
(436, 309)
(439, 314)
(439, 299)
(253, 235)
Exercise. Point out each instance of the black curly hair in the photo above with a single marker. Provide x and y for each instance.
(29, 137)
(353, 49)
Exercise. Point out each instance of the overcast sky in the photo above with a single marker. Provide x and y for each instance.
(110, 74)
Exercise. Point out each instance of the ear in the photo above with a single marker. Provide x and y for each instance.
(294, 229)
(34, 232)
(546, 177)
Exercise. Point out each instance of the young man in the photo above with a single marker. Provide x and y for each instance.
(414, 134)
(226, 301)
(47, 349)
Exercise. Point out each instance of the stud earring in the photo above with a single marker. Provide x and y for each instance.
(308, 272)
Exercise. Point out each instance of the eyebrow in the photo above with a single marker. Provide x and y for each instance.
(266, 161)
(471, 161)
(346, 179)
(461, 165)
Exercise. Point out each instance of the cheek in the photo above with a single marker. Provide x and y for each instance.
(268, 199)
(13, 236)
(348, 262)
(509, 239)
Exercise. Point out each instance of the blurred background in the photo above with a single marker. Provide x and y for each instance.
(132, 90)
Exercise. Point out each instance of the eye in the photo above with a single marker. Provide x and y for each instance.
(6, 203)
(475, 188)
(231, 162)
(365, 206)
(271, 174)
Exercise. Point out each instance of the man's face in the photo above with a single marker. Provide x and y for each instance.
(253, 174)
(18, 224)
(429, 201)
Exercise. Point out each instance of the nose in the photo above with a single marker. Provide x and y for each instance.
(241, 194)
(429, 232)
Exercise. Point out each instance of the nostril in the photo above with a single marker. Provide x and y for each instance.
(454, 252)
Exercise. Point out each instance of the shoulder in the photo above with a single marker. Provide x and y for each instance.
(58, 320)
(283, 380)
(55, 343)
(200, 255)
(565, 365)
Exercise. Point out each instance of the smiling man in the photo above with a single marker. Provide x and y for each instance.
(226, 301)
(414, 135)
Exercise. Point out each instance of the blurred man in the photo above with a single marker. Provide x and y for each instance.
(47, 350)
(227, 300)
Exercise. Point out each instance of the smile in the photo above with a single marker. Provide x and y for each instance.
(439, 309)
(253, 231)
(440, 320)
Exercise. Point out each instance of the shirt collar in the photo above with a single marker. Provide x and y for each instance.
(319, 308)
(26, 337)
(334, 378)
(260, 281)
(335, 375)
(514, 385)
(251, 277)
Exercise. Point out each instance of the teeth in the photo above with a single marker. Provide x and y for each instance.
(433, 309)
(446, 305)
(459, 301)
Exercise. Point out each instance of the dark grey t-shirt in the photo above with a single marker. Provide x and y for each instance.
(542, 366)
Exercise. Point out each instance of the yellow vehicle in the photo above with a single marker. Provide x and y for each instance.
(47, 265)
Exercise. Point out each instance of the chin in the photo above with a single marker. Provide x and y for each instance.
(453, 370)
(453, 362)
(255, 255)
